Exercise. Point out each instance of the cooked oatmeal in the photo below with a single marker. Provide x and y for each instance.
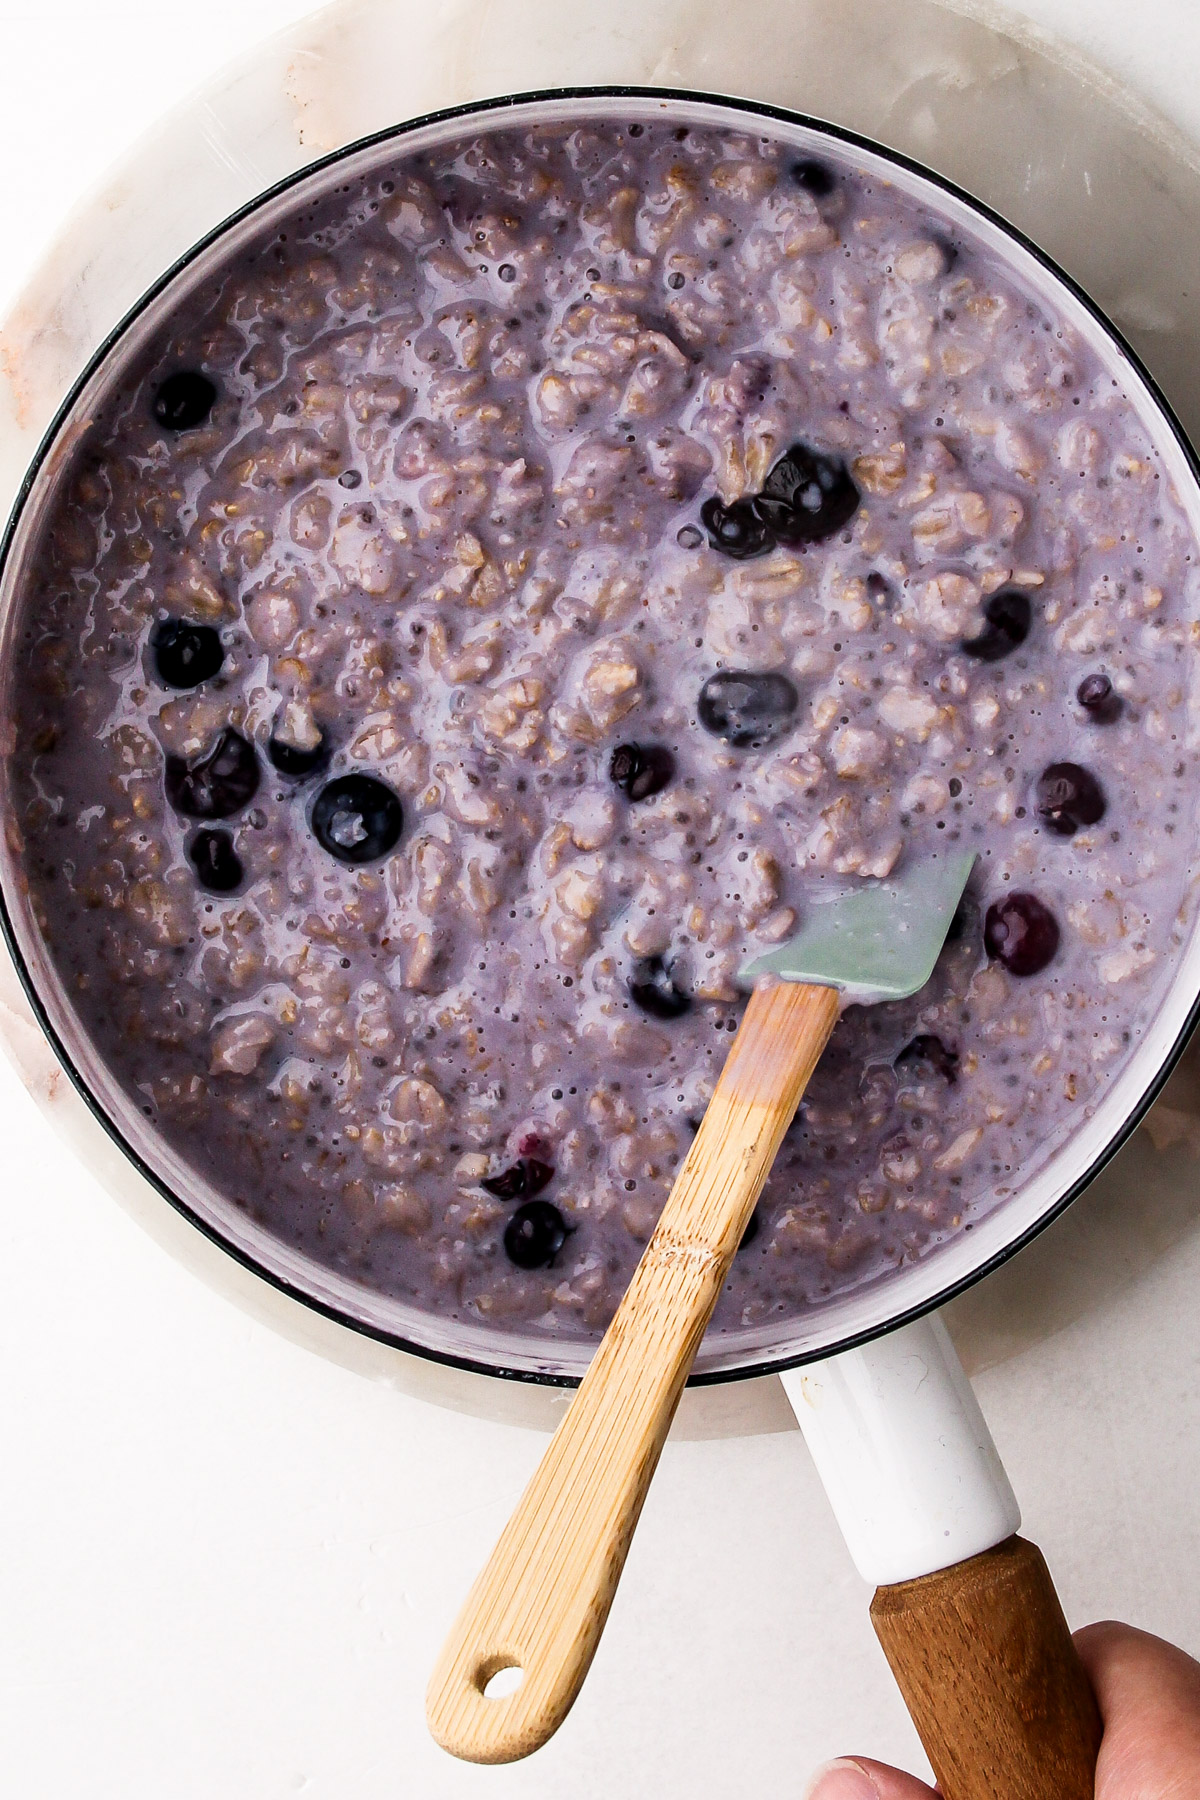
(498, 606)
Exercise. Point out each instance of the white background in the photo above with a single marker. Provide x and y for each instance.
(226, 1562)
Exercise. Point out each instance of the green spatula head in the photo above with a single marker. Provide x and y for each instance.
(880, 942)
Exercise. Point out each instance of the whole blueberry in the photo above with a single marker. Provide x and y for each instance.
(1099, 700)
(534, 1235)
(184, 400)
(185, 654)
(748, 710)
(1022, 933)
(1008, 616)
(289, 759)
(751, 1231)
(216, 785)
(1067, 797)
(932, 1053)
(217, 864)
(652, 988)
(807, 496)
(815, 177)
(736, 530)
(357, 819)
(641, 770)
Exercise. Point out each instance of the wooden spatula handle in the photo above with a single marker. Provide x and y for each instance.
(996, 1690)
(541, 1602)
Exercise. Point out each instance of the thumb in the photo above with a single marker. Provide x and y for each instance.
(858, 1778)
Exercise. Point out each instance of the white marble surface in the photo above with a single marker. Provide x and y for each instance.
(234, 1535)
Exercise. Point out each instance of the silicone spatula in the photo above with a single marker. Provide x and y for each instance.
(522, 1644)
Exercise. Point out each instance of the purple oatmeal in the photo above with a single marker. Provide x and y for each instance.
(494, 609)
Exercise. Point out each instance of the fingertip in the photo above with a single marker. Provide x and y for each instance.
(858, 1778)
(842, 1779)
(1100, 1633)
(1131, 1668)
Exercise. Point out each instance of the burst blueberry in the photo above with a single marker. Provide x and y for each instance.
(653, 989)
(930, 1052)
(1022, 933)
(965, 923)
(747, 709)
(186, 654)
(357, 818)
(641, 770)
(534, 1235)
(1008, 616)
(807, 496)
(526, 1177)
(217, 864)
(184, 400)
(217, 784)
(1069, 796)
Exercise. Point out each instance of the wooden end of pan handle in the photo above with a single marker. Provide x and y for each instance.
(983, 1656)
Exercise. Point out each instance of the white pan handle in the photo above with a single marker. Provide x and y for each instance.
(906, 1458)
(965, 1611)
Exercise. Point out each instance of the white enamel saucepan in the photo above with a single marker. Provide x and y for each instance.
(967, 1616)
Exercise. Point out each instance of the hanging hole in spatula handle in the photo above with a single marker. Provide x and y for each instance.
(984, 1658)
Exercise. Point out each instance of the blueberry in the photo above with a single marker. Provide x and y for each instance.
(736, 530)
(534, 1235)
(289, 759)
(1068, 797)
(1021, 933)
(1096, 696)
(526, 1177)
(747, 710)
(641, 769)
(1009, 615)
(965, 923)
(537, 1174)
(508, 1186)
(184, 400)
(652, 988)
(931, 1051)
(807, 497)
(217, 864)
(814, 177)
(357, 819)
(216, 785)
(185, 654)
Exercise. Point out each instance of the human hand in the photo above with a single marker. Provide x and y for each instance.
(1149, 1697)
